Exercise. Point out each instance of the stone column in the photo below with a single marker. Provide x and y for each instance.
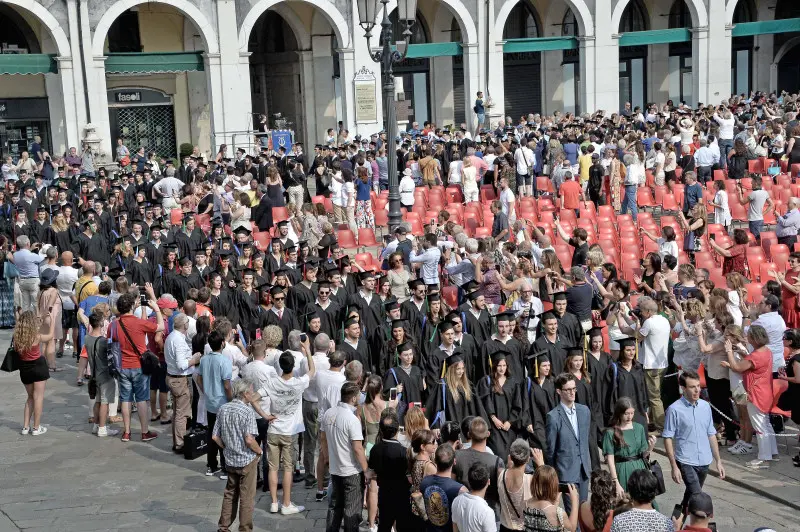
(472, 82)
(720, 52)
(587, 97)
(496, 87)
(229, 82)
(309, 103)
(64, 82)
(98, 106)
(699, 66)
(773, 77)
(213, 66)
(348, 70)
(606, 64)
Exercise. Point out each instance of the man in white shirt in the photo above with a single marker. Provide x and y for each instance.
(347, 459)
(233, 346)
(327, 379)
(285, 394)
(470, 512)
(507, 200)
(180, 367)
(524, 159)
(654, 335)
(67, 277)
(322, 345)
(167, 189)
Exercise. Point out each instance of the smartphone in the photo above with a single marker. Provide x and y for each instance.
(304, 337)
(392, 394)
(563, 487)
(143, 300)
(712, 526)
(712, 236)
(677, 511)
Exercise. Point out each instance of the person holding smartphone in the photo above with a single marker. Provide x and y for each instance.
(542, 511)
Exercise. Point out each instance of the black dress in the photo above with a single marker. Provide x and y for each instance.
(411, 381)
(598, 372)
(630, 384)
(441, 406)
(539, 400)
(585, 396)
(506, 405)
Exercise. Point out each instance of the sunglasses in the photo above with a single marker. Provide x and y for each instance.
(278, 298)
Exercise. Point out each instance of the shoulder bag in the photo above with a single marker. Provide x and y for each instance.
(10, 270)
(92, 386)
(11, 361)
(148, 360)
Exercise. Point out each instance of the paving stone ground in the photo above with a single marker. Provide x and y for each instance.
(69, 480)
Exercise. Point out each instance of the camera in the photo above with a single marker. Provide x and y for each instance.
(636, 313)
(143, 300)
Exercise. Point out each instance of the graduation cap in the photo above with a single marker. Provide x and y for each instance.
(391, 304)
(469, 286)
(455, 358)
(241, 231)
(538, 358)
(363, 276)
(283, 223)
(264, 287)
(41, 208)
(625, 342)
(401, 323)
(310, 315)
(282, 272)
(225, 253)
(446, 325)
(497, 356)
(156, 227)
(248, 271)
(27, 187)
(558, 296)
(472, 296)
(344, 261)
(330, 268)
(351, 320)
(506, 315)
(291, 248)
(276, 290)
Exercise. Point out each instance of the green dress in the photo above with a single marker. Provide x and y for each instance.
(636, 440)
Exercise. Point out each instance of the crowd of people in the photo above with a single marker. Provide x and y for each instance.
(507, 357)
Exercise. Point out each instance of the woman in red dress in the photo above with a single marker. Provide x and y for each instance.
(789, 290)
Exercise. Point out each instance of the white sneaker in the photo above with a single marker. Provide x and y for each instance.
(735, 446)
(38, 431)
(757, 464)
(273, 508)
(104, 432)
(95, 428)
(292, 509)
(744, 448)
(25, 431)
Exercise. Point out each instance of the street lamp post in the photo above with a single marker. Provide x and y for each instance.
(386, 57)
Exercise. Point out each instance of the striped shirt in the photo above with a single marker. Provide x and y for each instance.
(235, 420)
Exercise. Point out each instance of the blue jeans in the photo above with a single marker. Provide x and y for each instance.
(725, 146)
(629, 201)
(755, 228)
(693, 479)
(134, 386)
(481, 119)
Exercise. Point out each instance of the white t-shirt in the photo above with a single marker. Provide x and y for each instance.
(656, 331)
(327, 382)
(260, 373)
(733, 307)
(507, 199)
(336, 190)
(455, 171)
(667, 248)
(407, 187)
(234, 354)
(472, 514)
(320, 364)
(286, 403)
(67, 277)
(755, 209)
(341, 428)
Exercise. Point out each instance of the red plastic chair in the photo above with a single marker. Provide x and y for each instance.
(764, 270)
(644, 198)
(453, 194)
(669, 203)
(346, 239)
(262, 240)
(381, 218)
(366, 237)
(279, 214)
(321, 200)
(450, 295)
(367, 259)
(176, 216)
(483, 232)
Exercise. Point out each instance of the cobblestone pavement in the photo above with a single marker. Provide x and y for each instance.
(70, 480)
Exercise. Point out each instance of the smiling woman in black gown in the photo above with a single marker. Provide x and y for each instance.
(453, 398)
(626, 379)
(539, 398)
(502, 402)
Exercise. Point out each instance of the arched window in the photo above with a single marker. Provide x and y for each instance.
(272, 35)
(679, 15)
(569, 26)
(16, 32)
(123, 35)
(634, 18)
(521, 23)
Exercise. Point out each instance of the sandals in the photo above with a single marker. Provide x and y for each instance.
(56, 370)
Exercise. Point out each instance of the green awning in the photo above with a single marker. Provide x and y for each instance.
(746, 29)
(28, 64)
(643, 38)
(149, 63)
(433, 49)
(540, 44)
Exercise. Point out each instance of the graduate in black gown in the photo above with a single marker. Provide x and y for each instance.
(415, 309)
(367, 303)
(453, 397)
(626, 379)
(221, 302)
(432, 365)
(599, 361)
(539, 398)
(476, 319)
(430, 336)
(551, 342)
(246, 299)
(568, 325)
(92, 245)
(585, 396)
(466, 343)
(275, 258)
(41, 225)
(230, 277)
(155, 247)
(281, 316)
(181, 283)
(59, 234)
(330, 313)
(382, 335)
(389, 353)
(354, 346)
(190, 238)
(502, 341)
(140, 270)
(405, 374)
(500, 395)
(303, 294)
(163, 272)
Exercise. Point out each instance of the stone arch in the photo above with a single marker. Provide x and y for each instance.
(785, 49)
(582, 14)
(333, 15)
(188, 9)
(49, 21)
(696, 8)
(469, 34)
(301, 34)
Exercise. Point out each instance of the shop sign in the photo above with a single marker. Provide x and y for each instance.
(129, 96)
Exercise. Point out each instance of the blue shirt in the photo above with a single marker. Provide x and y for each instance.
(788, 224)
(439, 494)
(215, 369)
(692, 195)
(362, 190)
(571, 151)
(27, 263)
(690, 426)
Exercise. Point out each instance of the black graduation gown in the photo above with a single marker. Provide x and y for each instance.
(506, 406)
(598, 371)
(140, 272)
(340, 296)
(541, 399)
(388, 357)
(180, 285)
(531, 416)
(24, 229)
(432, 367)
(585, 396)
(205, 274)
(470, 350)
(330, 318)
(189, 244)
(414, 315)
(569, 328)
(412, 383)
(295, 274)
(371, 313)
(162, 279)
(429, 339)
(557, 352)
(247, 308)
(222, 304)
(61, 239)
(94, 248)
(349, 284)
(287, 324)
(631, 384)
(360, 353)
(155, 253)
(230, 275)
(441, 407)
(272, 265)
(300, 296)
(515, 361)
(41, 231)
(480, 328)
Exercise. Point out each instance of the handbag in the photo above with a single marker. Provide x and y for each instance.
(11, 362)
(10, 270)
(655, 469)
(92, 385)
(114, 352)
(195, 444)
(148, 360)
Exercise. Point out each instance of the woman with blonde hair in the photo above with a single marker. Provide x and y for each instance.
(413, 421)
(59, 233)
(33, 371)
(460, 399)
(273, 337)
(469, 180)
(50, 309)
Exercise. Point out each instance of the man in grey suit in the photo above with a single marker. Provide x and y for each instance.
(568, 438)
